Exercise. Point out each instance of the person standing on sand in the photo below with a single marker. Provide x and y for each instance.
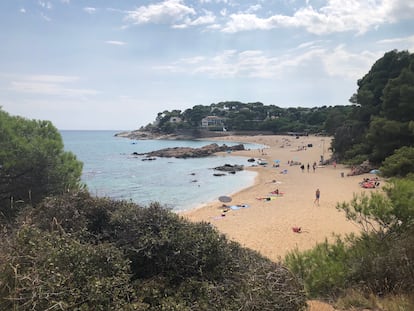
(317, 196)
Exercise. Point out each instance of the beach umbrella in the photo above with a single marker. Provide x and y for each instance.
(276, 161)
(224, 199)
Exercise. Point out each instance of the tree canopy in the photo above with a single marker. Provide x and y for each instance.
(381, 119)
(33, 163)
(256, 116)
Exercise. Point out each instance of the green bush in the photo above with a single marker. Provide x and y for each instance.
(383, 265)
(400, 164)
(53, 271)
(323, 269)
(174, 264)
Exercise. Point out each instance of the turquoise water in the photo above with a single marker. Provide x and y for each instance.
(180, 184)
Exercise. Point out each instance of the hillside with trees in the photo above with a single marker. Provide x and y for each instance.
(237, 116)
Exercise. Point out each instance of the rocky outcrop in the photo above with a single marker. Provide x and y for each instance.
(229, 168)
(187, 152)
(363, 168)
(145, 135)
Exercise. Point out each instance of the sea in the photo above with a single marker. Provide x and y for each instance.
(111, 170)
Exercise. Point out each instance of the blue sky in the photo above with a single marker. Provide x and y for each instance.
(116, 64)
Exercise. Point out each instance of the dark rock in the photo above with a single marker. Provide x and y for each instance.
(187, 152)
(148, 159)
(229, 168)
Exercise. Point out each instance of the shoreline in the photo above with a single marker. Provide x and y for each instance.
(266, 225)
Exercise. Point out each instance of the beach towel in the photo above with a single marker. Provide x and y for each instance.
(239, 206)
(280, 194)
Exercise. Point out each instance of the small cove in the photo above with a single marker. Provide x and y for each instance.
(110, 170)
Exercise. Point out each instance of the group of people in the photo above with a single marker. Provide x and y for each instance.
(370, 183)
(302, 167)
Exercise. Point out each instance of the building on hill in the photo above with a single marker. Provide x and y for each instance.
(212, 122)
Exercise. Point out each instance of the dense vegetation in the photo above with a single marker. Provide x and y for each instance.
(75, 252)
(255, 117)
(382, 117)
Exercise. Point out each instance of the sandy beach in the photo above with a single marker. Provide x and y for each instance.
(266, 225)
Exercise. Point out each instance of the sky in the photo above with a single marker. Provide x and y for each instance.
(96, 65)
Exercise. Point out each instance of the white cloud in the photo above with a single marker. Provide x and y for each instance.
(342, 63)
(45, 17)
(335, 16)
(208, 18)
(254, 8)
(89, 10)
(114, 42)
(45, 5)
(22, 10)
(167, 12)
(48, 85)
(310, 44)
(244, 22)
(332, 62)
(404, 43)
(399, 9)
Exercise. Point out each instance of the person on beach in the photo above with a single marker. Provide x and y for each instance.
(317, 196)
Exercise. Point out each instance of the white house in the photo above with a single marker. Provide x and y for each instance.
(212, 121)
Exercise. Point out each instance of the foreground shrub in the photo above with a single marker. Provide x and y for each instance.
(174, 264)
(399, 164)
(323, 269)
(53, 271)
(383, 265)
